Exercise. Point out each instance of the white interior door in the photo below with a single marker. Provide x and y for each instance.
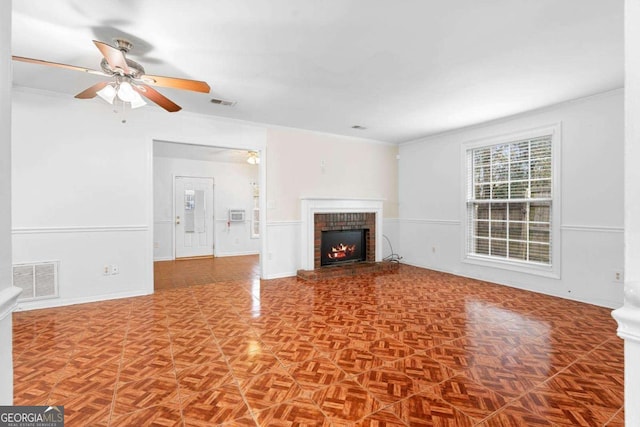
(193, 216)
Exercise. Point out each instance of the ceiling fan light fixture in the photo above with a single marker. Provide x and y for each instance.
(126, 92)
(253, 158)
(108, 93)
(138, 102)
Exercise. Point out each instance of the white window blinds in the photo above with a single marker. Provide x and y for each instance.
(509, 200)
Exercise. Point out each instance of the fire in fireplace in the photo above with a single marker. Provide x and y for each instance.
(342, 246)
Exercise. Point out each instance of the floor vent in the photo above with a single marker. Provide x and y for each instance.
(37, 280)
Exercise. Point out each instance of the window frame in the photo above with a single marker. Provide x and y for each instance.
(551, 270)
(255, 212)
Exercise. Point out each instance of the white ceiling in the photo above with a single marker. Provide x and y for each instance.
(403, 69)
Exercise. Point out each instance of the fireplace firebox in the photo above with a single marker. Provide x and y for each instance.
(363, 224)
(343, 246)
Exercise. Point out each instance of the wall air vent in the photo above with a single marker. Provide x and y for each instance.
(37, 280)
(222, 102)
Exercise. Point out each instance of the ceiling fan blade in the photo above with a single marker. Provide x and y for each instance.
(91, 91)
(176, 83)
(56, 64)
(157, 97)
(115, 58)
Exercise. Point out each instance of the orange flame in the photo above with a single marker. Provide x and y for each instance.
(341, 251)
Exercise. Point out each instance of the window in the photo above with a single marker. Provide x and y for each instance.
(255, 212)
(510, 200)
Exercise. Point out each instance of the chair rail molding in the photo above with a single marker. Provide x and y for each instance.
(78, 229)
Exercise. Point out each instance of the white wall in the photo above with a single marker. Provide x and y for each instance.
(632, 146)
(431, 200)
(83, 183)
(310, 164)
(233, 190)
(628, 317)
(7, 292)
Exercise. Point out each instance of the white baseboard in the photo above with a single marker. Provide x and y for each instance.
(280, 275)
(600, 302)
(428, 267)
(226, 254)
(62, 302)
(166, 258)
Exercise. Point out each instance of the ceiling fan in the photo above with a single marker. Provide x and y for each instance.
(130, 83)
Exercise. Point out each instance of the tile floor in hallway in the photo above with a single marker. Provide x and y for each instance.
(416, 348)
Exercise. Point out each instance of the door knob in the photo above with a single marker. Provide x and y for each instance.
(177, 220)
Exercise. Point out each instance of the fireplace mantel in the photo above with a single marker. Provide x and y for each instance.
(311, 206)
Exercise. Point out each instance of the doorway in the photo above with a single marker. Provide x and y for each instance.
(193, 212)
(192, 216)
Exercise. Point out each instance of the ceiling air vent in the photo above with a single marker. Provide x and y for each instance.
(222, 102)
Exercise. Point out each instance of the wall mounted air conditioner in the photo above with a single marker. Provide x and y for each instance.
(236, 215)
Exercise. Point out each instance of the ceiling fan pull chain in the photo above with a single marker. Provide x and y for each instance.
(124, 112)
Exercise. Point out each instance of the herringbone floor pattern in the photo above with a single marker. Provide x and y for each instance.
(416, 348)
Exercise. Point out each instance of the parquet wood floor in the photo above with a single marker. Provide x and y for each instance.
(201, 271)
(416, 348)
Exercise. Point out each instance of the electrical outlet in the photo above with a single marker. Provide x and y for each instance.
(618, 276)
(106, 271)
(115, 269)
(156, 245)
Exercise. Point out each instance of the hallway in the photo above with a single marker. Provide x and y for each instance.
(201, 271)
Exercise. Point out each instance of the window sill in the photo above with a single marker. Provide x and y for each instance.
(520, 267)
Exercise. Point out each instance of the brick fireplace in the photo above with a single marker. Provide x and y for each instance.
(324, 214)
